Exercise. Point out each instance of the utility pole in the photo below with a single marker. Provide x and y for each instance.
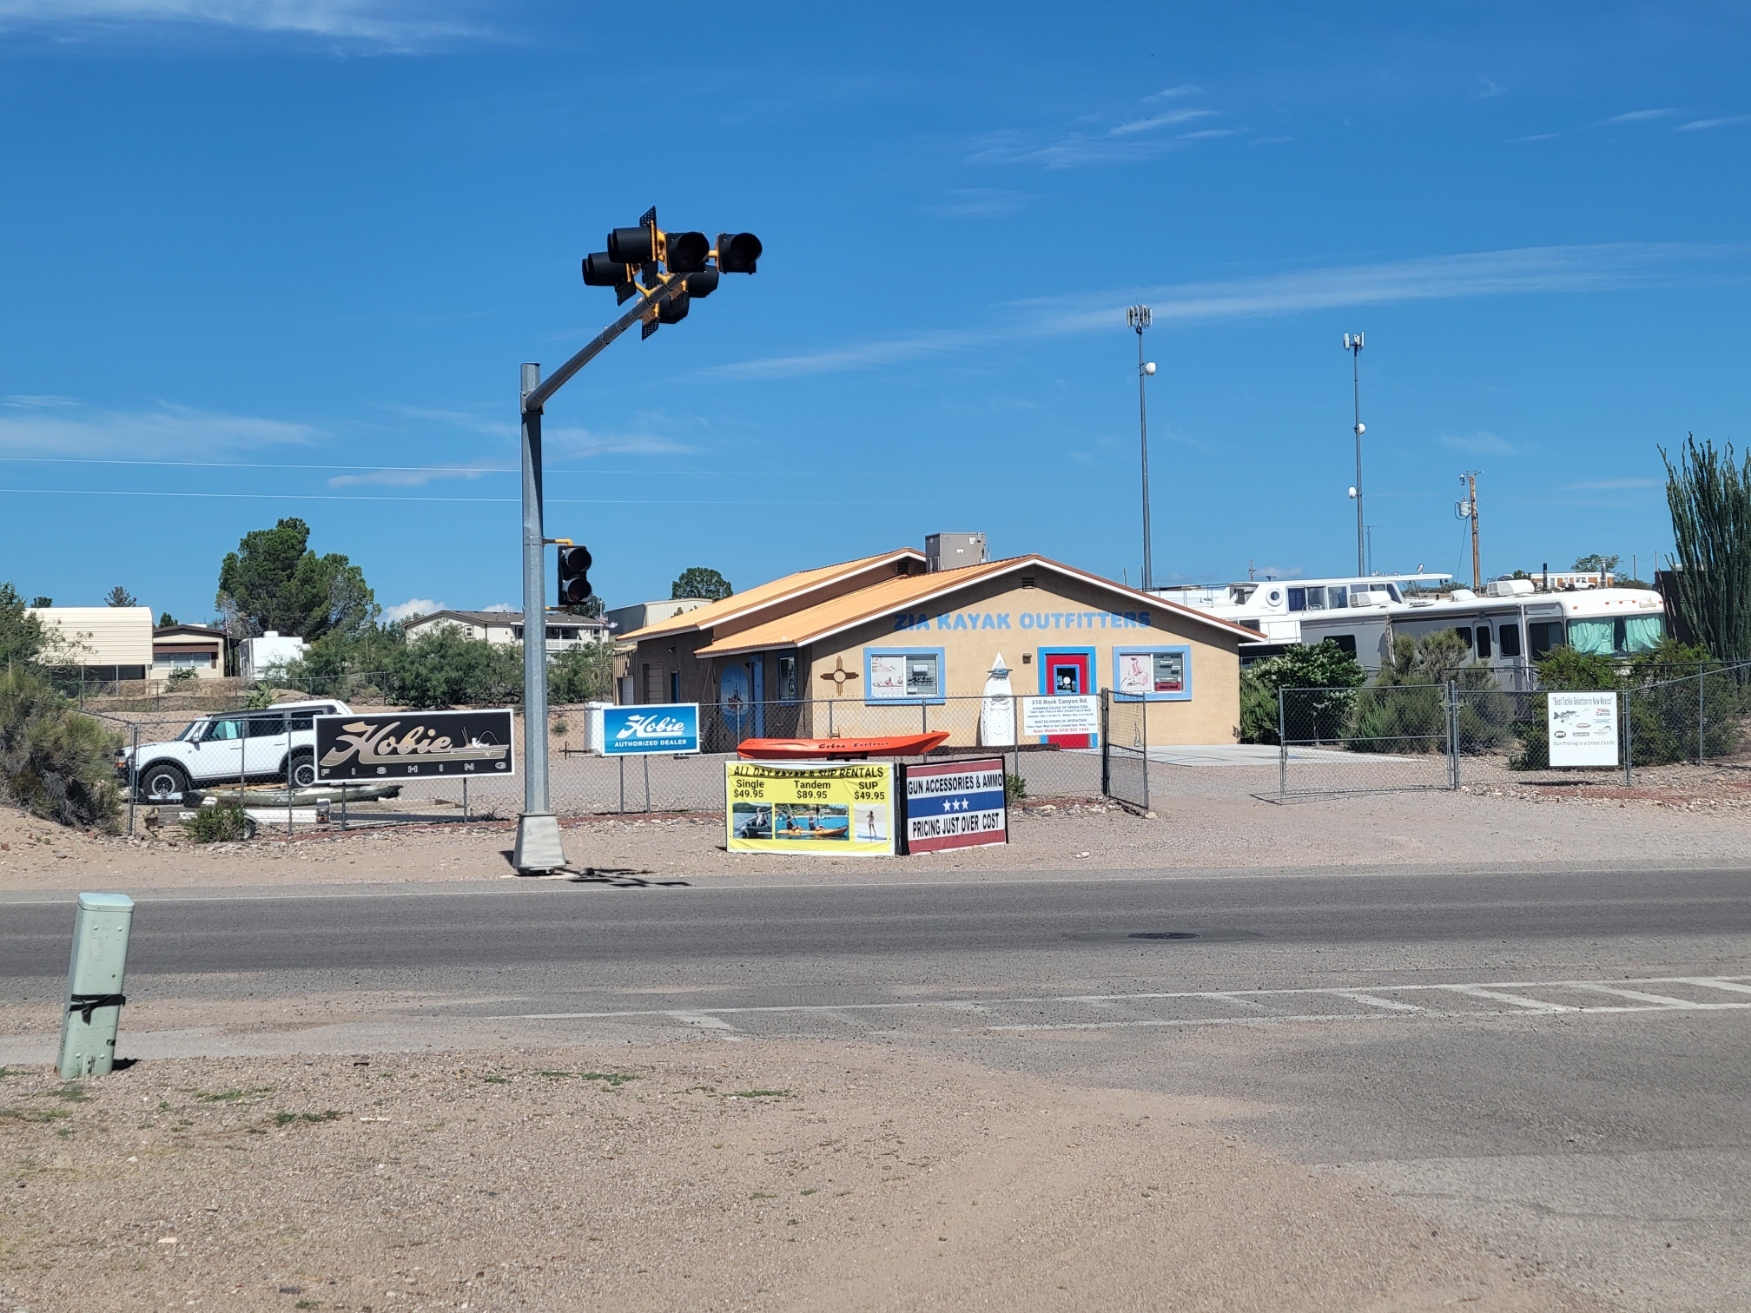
(1467, 510)
(1353, 344)
(1138, 317)
(662, 274)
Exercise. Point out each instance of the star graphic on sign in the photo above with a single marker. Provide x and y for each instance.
(838, 675)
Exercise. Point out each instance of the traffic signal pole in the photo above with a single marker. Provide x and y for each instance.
(538, 847)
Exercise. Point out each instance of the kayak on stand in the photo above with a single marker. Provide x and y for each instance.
(889, 745)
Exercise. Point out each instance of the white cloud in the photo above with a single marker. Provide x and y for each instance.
(62, 427)
(979, 203)
(1478, 444)
(1159, 121)
(414, 606)
(1171, 93)
(500, 606)
(578, 442)
(1702, 125)
(386, 24)
(1536, 269)
(1639, 115)
(407, 477)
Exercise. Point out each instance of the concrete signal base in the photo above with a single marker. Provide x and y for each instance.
(538, 848)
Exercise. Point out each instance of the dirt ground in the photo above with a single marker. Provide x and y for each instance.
(776, 1176)
(1213, 824)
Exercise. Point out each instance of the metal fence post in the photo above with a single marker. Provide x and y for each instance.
(1282, 745)
(133, 777)
(1143, 726)
(1628, 740)
(1452, 735)
(1701, 680)
(1106, 743)
(286, 729)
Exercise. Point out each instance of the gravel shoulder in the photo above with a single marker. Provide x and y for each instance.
(707, 1176)
(1210, 823)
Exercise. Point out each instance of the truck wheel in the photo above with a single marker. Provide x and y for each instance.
(303, 769)
(163, 782)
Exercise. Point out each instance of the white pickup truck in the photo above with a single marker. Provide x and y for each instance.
(258, 746)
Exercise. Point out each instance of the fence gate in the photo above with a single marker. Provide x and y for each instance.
(1124, 752)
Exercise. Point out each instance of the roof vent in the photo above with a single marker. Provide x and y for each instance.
(950, 551)
(1027, 581)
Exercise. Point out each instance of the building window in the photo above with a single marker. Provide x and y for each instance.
(1153, 674)
(786, 679)
(903, 674)
(674, 686)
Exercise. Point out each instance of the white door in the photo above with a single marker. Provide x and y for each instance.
(219, 754)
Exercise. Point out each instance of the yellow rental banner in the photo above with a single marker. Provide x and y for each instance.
(835, 807)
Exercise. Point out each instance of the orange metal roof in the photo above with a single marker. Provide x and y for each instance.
(830, 617)
(715, 613)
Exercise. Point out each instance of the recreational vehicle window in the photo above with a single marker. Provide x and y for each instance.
(1346, 642)
(1544, 635)
(1483, 642)
(1464, 632)
(1297, 599)
(1510, 640)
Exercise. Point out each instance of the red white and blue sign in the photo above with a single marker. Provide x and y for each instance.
(955, 804)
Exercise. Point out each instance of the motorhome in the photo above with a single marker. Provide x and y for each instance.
(1509, 625)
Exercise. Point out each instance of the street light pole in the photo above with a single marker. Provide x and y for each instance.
(1353, 344)
(1138, 318)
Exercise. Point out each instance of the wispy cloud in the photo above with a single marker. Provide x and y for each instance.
(980, 203)
(397, 25)
(64, 427)
(1134, 126)
(1130, 139)
(579, 443)
(1478, 444)
(1637, 116)
(1173, 93)
(414, 606)
(1702, 125)
(404, 477)
(1521, 271)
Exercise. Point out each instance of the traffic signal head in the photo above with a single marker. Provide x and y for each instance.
(574, 575)
(703, 283)
(737, 252)
(632, 245)
(672, 309)
(686, 252)
(603, 270)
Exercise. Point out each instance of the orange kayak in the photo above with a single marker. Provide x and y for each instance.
(892, 745)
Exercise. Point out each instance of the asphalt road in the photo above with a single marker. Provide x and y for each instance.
(1558, 1062)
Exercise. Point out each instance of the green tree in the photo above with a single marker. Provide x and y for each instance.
(701, 581)
(1710, 500)
(54, 762)
(42, 603)
(1404, 709)
(1594, 561)
(119, 596)
(581, 674)
(274, 581)
(21, 634)
(1328, 674)
(165, 620)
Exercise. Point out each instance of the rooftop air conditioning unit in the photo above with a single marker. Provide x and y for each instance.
(1509, 588)
(950, 551)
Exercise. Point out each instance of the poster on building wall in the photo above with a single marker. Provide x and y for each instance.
(1078, 714)
(955, 804)
(833, 808)
(887, 675)
(1582, 728)
(1146, 674)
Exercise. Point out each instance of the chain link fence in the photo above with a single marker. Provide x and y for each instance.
(1445, 736)
(581, 782)
(1124, 774)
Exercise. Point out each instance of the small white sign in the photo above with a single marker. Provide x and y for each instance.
(1078, 714)
(1582, 728)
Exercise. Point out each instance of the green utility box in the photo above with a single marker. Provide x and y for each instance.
(94, 985)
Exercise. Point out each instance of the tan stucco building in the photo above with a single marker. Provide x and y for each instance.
(883, 645)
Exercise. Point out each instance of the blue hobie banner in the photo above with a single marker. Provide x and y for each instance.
(670, 727)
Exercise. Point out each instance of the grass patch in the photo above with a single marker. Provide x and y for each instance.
(700, 1089)
(33, 1114)
(760, 1194)
(613, 1079)
(287, 1118)
(232, 1096)
(497, 1080)
(761, 1094)
(813, 1189)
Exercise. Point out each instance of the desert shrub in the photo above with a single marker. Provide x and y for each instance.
(225, 822)
(1325, 677)
(1404, 709)
(582, 674)
(181, 677)
(55, 762)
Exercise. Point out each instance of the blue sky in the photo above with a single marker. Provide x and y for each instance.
(284, 257)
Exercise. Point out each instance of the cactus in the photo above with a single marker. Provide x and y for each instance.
(1710, 500)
